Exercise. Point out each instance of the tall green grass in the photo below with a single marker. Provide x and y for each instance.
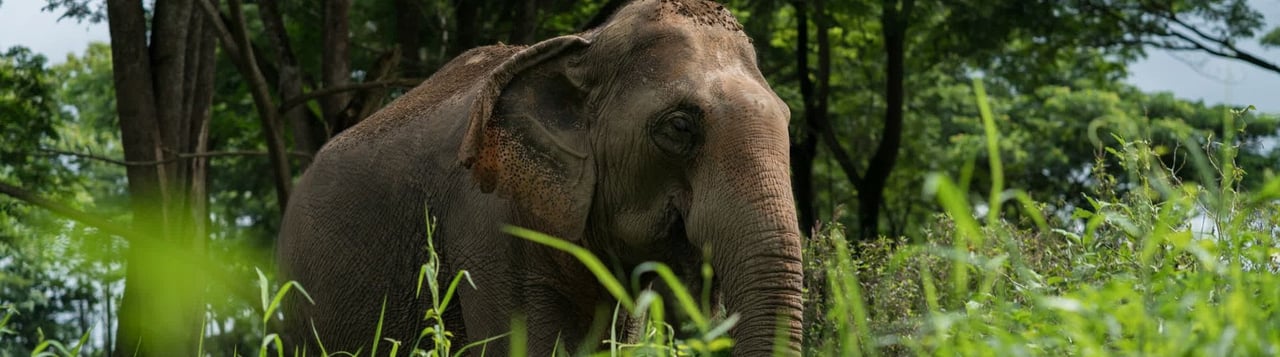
(1151, 266)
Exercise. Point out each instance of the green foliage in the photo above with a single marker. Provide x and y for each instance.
(1164, 268)
(51, 276)
(43, 347)
(1134, 223)
(436, 332)
(1161, 267)
(29, 106)
(1271, 39)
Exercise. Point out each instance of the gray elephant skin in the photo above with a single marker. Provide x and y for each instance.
(653, 137)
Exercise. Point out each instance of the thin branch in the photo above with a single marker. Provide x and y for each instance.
(234, 37)
(1199, 45)
(180, 156)
(68, 212)
(229, 43)
(315, 94)
(1201, 34)
(1224, 44)
(1226, 48)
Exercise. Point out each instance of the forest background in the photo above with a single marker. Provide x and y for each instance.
(192, 123)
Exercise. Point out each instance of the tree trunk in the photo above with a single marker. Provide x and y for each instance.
(804, 148)
(204, 49)
(335, 62)
(163, 94)
(408, 36)
(524, 30)
(235, 43)
(894, 22)
(168, 57)
(369, 101)
(464, 38)
(803, 151)
(308, 131)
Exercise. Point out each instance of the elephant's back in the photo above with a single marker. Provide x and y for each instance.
(396, 159)
(441, 102)
(388, 165)
(402, 155)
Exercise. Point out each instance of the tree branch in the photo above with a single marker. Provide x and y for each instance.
(181, 156)
(1231, 51)
(315, 94)
(822, 93)
(308, 132)
(365, 103)
(1226, 48)
(234, 37)
(68, 212)
(895, 17)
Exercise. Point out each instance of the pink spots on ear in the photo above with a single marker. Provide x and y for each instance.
(510, 167)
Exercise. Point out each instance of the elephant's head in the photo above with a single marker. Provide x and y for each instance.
(654, 129)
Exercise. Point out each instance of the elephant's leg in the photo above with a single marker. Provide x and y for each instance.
(490, 310)
(454, 322)
(483, 312)
(557, 319)
(563, 302)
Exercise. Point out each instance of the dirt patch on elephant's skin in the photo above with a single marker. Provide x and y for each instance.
(701, 12)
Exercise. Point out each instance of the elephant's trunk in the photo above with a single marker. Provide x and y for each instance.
(746, 216)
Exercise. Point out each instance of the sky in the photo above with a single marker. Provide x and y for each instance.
(1215, 80)
(1188, 75)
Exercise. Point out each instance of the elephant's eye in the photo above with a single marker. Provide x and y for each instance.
(680, 123)
(676, 132)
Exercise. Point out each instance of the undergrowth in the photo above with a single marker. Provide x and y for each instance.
(1152, 266)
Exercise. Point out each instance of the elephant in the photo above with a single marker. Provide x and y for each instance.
(652, 137)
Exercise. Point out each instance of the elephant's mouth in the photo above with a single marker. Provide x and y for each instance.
(681, 253)
(675, 227)
(666, 241)
(674, 230)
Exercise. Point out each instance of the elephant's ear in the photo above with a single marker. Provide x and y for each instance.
(527, 137)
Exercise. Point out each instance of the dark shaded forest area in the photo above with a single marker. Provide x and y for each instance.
(171, 150)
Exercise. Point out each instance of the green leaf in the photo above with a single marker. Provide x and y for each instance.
(1271, 39)
(682, 295)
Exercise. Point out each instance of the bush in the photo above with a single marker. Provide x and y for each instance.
(1151, 267)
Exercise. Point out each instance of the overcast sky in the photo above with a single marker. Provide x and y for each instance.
(1187, 74)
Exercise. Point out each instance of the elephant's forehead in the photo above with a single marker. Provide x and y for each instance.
(673, 53)
(643, 24)
(699, 12)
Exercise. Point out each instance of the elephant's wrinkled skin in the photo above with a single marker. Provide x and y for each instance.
(651, 138)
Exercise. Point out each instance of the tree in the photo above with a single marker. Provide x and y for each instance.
(308, 135)
(1021, 45)
(164, 87)
(1208, 26)
(30, 286)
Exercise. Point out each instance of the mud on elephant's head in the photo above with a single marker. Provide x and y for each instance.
(653, 131)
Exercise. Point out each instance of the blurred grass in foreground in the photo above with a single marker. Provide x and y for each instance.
(1150, 267)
